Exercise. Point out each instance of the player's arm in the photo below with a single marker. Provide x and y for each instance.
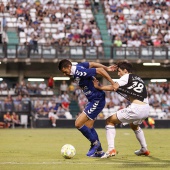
(102, 72)
(112, 87)
(98, 65)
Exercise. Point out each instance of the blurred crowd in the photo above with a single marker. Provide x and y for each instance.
(138, 23)
(58, 106)
(53, 23)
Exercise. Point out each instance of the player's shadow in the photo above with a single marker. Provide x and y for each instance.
(124, 163)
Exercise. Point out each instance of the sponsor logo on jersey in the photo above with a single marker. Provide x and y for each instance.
(93, 107)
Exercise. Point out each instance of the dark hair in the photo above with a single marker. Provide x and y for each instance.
(63, 64)
(125, 65)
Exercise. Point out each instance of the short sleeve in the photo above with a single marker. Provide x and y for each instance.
(84, 64)
(123, 80)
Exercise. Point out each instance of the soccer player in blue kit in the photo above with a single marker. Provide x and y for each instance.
(83, 75)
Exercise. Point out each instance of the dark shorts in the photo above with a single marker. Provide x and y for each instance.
(94, 107)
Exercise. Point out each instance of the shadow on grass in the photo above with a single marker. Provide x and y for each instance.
(147, 162)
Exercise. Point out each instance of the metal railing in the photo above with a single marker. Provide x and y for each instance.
(102, 53)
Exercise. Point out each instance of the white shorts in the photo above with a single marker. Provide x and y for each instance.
(134, 113)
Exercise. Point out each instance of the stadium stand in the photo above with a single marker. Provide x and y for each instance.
(65, 28)
(79, 29)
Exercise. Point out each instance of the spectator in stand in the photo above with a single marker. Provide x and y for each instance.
(3, 125)
(4, 23)
(21, 26)
(23, 88)
(50, 82)
(117, 42)
(65, 97)
(2, 8)
(113, 7)
(3, 86)
(82, 101)
(12, 10)
(78, 91)
(75, 6)
(61, 112)
(4, 43)
(19, 12)
(98, 43)
(7, 119)
(8, 103)
(53, 18)
(96, 6)
(52, 116)
(143, 43)
(42, 86)
(34, 43)
(17, 103)
(65, 105)
(63, 87)
(88, 32)
(87, 4)
(157, 42)
(72, 90)
(15, 119)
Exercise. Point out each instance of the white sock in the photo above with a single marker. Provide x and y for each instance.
(110, 135)
(141, 138)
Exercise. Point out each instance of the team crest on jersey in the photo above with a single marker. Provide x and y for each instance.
(93, 107)
(80, 73)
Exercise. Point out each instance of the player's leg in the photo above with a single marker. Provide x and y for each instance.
(141, 138)
(80, 125)
(99, 152)
(86, 131)
(110, 135)
(91, 111)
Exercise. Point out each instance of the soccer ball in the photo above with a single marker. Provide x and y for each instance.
(68, 151)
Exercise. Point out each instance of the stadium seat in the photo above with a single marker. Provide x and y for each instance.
(22, 35)
(22, 40)
(46, 20)
(42, 41)
(4, 92)
(79, 51)
(126, 11)
(73, 52)
(13, 19)
(10, 24)
(24, 120)
(43, 93)
(58, 15)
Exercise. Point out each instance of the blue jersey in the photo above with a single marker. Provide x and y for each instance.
(83, 76)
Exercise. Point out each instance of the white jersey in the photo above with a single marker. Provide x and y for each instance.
(132, 85)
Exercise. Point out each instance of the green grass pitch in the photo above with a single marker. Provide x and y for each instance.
(39, 149)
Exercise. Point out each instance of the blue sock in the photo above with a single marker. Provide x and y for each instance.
(88, 134)
(93, 131)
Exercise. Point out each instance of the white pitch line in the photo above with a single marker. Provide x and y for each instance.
(84, 163)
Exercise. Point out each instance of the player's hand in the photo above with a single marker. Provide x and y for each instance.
(112, 68)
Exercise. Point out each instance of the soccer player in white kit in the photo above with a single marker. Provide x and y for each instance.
(132, 88)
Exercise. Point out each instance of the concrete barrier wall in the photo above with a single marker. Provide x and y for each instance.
(64, 123)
